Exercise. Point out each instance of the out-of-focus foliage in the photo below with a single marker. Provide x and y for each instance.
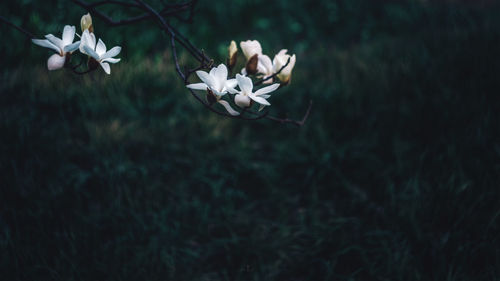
(126, 177)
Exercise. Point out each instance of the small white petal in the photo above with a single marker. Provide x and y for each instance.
(220, 76)
(245, 83)
(242, 101)
(112, 53)
(68, 35)
(46, 44)
(56, 41)
(228, 107)
(259, 100)
(231, 83)
(206, 78)
(233, 91)
(100, 49)
(55, 62)
(88, 39)
(197, 86)
(250, 48)
(91, 52)
(111, 60)
(267, 89)
(72, 47)
(106, 67)
(265, 65)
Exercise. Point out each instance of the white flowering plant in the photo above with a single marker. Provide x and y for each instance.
(94, 51)
(243, 95)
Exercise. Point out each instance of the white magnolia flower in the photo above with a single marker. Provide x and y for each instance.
(244, 97)
(216, 82)
(61, 46)
(98, 51)
(279, 61)
(251, 48)
(268, 68)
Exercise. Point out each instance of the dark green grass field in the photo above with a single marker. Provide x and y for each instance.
(395, 175)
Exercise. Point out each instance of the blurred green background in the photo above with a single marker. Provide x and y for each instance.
(395, 175)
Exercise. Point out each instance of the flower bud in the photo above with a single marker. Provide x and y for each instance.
(86, 23)
(252, 63)
(232, 51)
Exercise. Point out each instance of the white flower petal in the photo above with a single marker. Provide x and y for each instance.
(267, 89)
(68, 35)
(106, 67)
(56, 41)
(111, 60)
(100, 49)
(206, 78)
(197, 86)
(221, 73)
(265, 65)
(88, 39)
(112, 53)
(90, 52)
(245, 83)
(228, 107)
(46, 44)
(250, 48)
(71, 47)
(242, 101)
(231, 83)
(55, 62)
(259, 100)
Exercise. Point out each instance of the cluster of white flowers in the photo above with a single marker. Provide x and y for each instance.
(95, 50)
(217, 84)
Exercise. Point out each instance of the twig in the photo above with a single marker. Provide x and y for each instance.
(24, 31)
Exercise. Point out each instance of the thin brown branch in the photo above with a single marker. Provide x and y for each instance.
(291, 121)
(22, 30)
(92, 7)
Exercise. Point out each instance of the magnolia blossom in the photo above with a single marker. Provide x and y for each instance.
(62, 46)
(98, 51)
(279, 61)
(250, 48)
(216, 82)
(245, 96)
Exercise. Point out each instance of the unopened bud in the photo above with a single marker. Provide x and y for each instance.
(251, 66)
(233, 52)
(86, 23)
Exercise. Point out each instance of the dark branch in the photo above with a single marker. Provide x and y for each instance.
(291, 121)
(24, 31)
